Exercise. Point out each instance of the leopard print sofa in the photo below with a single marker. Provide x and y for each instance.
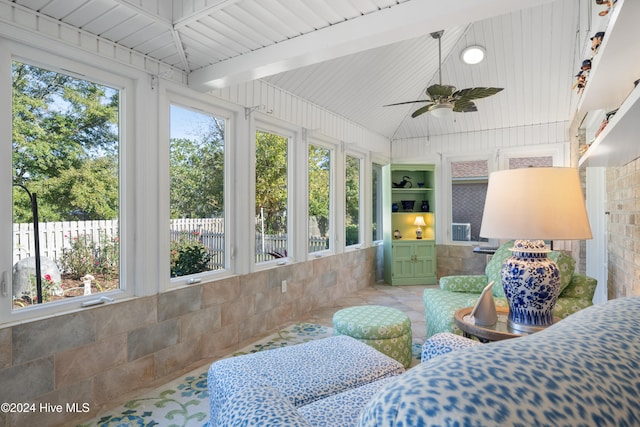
(582, 371)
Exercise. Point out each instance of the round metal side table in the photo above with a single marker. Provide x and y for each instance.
(495, 332)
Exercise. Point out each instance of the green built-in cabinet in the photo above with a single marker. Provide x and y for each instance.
(409, 192)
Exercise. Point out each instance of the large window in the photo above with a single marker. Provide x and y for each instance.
(271, 196)
(197, 205)
(319, 188)
(469, 180)
(376, 202)
(66, 186)
(352, 194)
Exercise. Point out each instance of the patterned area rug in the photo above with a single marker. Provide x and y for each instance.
(185, 401)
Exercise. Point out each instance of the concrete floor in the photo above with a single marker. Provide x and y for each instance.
(407, 299)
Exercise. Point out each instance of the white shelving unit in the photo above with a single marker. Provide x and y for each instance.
(610, 85)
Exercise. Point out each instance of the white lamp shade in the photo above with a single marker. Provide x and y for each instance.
(419, 221)
(535, 203)
(442, 111)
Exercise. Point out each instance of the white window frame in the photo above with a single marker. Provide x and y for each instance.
(10, 51)
(379, 206)
(361, 199)
(296, 189)
(497, 160)
(203, 105)
(558, 152)
(331, 145)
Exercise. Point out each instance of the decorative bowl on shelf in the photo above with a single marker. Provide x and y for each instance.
(407, 205)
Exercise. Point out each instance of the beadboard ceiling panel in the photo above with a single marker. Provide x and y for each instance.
(530, 53)
(352, 57)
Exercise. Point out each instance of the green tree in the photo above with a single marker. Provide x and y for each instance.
(92, 189)
(271, 181)
(319, 185)
(197, 173)
(65, 145)
(352, 190)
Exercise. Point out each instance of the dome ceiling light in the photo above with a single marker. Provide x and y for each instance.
(473, 55)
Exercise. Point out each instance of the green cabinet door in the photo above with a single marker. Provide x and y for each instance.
(425, 259)
(403, 260)
(414, 262)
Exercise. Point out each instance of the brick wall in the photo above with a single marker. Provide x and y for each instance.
(468, 205)
(623, 204)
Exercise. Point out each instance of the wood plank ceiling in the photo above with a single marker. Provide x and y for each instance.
(353, 56)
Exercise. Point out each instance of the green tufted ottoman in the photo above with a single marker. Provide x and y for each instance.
(386, 329)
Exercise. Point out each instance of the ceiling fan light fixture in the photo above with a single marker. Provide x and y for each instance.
(443, 100)
(442, 111)
(473, 54)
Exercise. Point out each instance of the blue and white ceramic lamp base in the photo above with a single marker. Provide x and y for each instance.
(531, 284)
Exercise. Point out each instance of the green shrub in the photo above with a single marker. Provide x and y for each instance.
(352, 234)
(86, 257)
(49, 289)
(107, 256)
(188, 257)
(79, 259)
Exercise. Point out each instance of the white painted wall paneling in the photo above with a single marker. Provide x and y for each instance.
(283, 105)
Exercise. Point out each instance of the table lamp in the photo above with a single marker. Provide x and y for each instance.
(419, 222)
(533, 205)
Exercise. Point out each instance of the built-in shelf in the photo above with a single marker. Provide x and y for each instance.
(414, 213)
(619, 142)
(617, 64)
(610, 85)
(408, 261)
(411, 190)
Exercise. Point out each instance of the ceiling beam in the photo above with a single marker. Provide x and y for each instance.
(401, 22)
(181, 53)
(165, 23)
(202, 12)
(142, 11)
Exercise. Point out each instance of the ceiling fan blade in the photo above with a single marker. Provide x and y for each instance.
(464, 106)
(475, 92)
(408, 102)
(422, 110)
(440, 91)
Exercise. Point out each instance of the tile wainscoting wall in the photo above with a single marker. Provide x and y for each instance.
(102, 354)
(459, 259)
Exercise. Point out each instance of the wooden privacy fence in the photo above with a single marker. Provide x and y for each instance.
(57, 236)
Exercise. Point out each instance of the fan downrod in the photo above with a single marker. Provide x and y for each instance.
(438, 36)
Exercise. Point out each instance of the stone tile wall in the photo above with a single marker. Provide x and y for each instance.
(623, 204)
(459, 260)
(104, 354)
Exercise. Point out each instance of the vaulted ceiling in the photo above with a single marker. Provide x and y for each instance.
(354, 56)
